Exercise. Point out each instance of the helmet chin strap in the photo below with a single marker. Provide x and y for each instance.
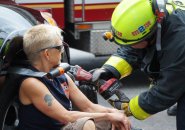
(160, 13)
(158, 39)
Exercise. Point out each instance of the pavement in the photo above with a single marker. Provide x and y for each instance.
(160, 121)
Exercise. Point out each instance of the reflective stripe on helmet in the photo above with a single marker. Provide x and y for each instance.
(121, 65)
(128, 42)
(136, 110)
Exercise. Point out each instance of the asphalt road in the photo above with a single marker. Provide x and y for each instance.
(160, 121)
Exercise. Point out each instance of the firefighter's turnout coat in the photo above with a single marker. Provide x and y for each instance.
(166, 67)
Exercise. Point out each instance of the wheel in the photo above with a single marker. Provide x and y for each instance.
(9, 115)
(10, 119)
(8, 105)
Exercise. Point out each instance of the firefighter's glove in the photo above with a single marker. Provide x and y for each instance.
(80, 74)
(122, 103)
(101, 73)
(108, 88)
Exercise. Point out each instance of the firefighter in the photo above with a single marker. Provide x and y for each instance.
(151, 37)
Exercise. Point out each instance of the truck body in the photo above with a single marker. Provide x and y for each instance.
(84, 21)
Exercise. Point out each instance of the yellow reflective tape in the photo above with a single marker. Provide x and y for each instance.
(42, 6)
(76, 7)
(136, 110)
(173, 5)
(176, 4)
(101, 6)
(169, 8)
(121, 65)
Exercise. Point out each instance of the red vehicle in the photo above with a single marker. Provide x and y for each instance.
(15, 19)
(84, 21)
(83, 14)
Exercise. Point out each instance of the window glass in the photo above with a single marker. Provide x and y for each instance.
(11, 21)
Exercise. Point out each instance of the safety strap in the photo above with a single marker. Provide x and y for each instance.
(158, 40)
(23, 71)
(61, 69)
(160, 12)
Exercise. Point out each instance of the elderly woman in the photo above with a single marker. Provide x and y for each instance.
(47, 104)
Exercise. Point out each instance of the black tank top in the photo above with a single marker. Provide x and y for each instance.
(30, 118)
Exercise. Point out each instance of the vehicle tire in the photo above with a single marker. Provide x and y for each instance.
(10, 118)
(8, 106)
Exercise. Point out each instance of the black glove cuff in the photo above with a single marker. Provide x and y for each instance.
(112, 70)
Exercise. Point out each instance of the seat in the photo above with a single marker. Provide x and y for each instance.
(13, 66)
(10, 86)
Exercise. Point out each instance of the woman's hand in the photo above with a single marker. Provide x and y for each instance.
(119, 121)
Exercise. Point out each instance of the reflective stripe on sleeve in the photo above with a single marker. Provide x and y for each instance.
(169, 8)
(172, 5)
(136, 110)
(121, 65)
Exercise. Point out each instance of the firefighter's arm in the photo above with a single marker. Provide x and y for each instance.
(120, 64)
(130, 107)
(166, 92)
(115, 67)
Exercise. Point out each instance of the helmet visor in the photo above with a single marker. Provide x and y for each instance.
(122, 41)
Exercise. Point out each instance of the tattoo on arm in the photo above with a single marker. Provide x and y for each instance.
(48, 99)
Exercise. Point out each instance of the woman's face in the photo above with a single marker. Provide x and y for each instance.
(56, 54)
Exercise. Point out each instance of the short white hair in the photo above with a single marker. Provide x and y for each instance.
(39, 37)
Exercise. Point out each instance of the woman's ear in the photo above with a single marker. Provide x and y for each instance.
(46, 54)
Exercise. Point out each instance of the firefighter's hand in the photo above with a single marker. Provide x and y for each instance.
(79, 73)
(122, 103)
(101, 73)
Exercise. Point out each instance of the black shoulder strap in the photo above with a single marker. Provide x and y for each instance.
(23, 71)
